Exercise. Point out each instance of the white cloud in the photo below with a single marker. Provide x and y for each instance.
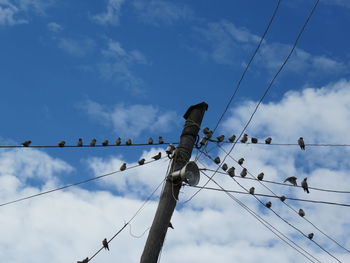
(9, 13)
(126, 119)
(54, 27)
(160, 12)
(76, 47)
(111, 16)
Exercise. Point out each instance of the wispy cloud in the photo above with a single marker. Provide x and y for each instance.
(54, 27)
(76, 47)
(111, 15)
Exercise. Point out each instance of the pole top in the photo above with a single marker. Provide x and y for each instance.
(199, 105)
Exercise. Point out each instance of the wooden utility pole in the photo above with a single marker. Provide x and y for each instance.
(169, 196)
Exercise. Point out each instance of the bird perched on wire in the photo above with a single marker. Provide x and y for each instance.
(301, 212)
(217, 160)
(231, 171)
(304, 185)
(206, 130)
(141, 161)
(252, 190)
(292, 180)
(118, 141)
(282, 198)
(80, 142)
(244, 138)
(86, 260)
(301, 143)
(158, 156)
(254, 140)
(268, 204)
(224, 167)
(260, 176)
(128, 142)
(61, 143)
(105, 244)
(123, 167)
(105, 143)
(268, 140)
(310, 236)
(93, 142)
(171, 225)
(240, 161)
(160, 140)
(220, 138)
(150, 140)
(232, 138)
(26, 143)
(244, 172)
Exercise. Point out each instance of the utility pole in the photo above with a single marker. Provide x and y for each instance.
(169, 196)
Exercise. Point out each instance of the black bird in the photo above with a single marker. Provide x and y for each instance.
(158, 156)
(150, 140)
(254, 140)
(301, 212)
(252, 190)
(282, 198)
(244, 172)
(61, 143)
(268, 140)
(268, 204)
(220, 138)
(105, 244)
(260, 176)
(217, 160)
(128, 142)
(206, 130)
(26, 143)
(80, 142)
(245, 138)
(224, 167)
(304, 185)
(93, 142)
(301, 143)
(141, 161)
(310, 236)
(292, 180)
(231, 171)
(105, 143)
(118, 141)
(171, 225)
(232, 138)
(209, 135)
(240, 161)
(123, 167)
(86, 260)
(160, 140)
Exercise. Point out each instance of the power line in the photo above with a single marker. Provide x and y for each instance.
(295, 144)
(73, 184)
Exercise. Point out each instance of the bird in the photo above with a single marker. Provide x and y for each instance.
(292, 180)
(80, 142)
(282, 198)
(301, 212)
(86, 260)
(310, 236)
(252, 190)
(150, 140)
(141, 161)
(206, 131)
(231, 171)
(220, 138)
(268, 204)
(268, 140)
(217, 160)
(224, 167)
(158, 156)
(244, 172)
(105, 244)
(93, 142)
(232, 138)
(301, 143)
(128, 142)
(171, 225)
(105, 143)
(245, 138)
(260, 176)
(123, 167)
(209, 135)
(240, 161)
(203, 141)
(26, 143)
(118, 141)
(254, 140)
(160, 140)
(61, 143)
(304, 185)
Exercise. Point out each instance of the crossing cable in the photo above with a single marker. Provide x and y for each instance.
(127, 223)
(267, 89)
(295, 144)
(289, 206)
(282, 218)
(74, 184)
(269, 226)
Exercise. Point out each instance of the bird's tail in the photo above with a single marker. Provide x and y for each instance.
(307, 190)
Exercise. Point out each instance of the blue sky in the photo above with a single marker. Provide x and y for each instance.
(103, 69)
